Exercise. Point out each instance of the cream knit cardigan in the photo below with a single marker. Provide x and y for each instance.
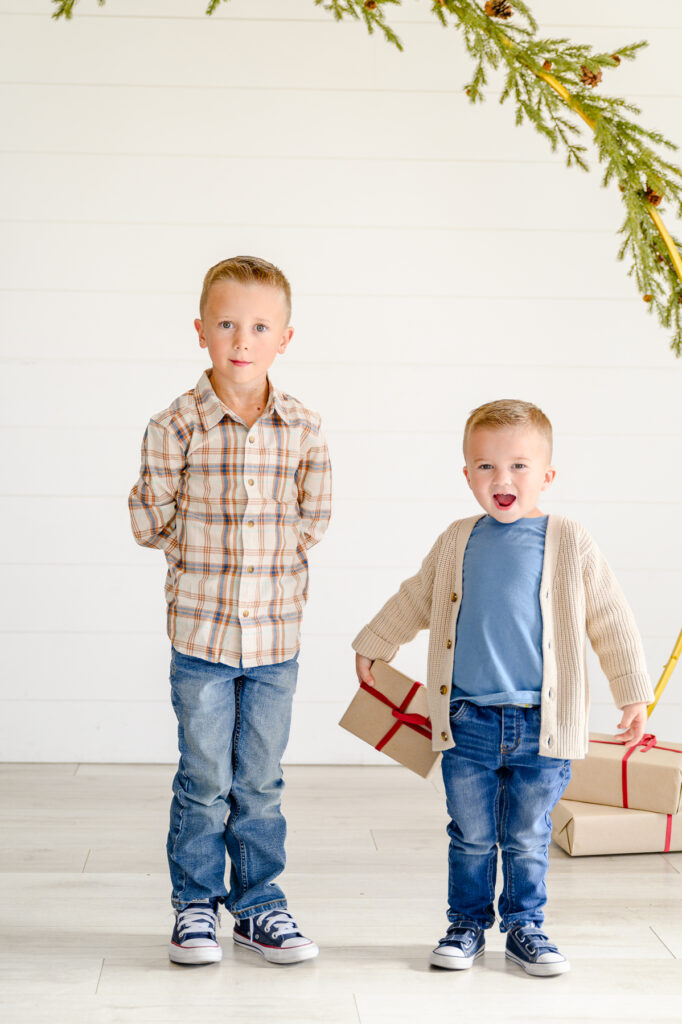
(579, 595)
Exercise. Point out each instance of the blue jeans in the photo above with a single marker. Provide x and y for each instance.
(499, 790)
(233, 728)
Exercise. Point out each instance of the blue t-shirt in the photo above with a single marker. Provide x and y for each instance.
(498, 647)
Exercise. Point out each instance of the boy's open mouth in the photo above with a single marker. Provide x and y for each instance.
(504, 500)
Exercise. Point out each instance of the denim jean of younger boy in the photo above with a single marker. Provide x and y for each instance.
(499, 791)
(233, 728)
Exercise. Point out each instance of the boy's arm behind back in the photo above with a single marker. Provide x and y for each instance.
(152, 501)
(314, 481)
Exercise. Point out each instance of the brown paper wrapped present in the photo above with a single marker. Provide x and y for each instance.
(648, 778)
(392, 716)
(582, 829)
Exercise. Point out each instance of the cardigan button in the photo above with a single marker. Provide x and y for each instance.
(453, 596)
(443, 736)
(443, 690)
(448, 644)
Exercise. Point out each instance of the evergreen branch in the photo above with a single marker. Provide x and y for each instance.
(626, 149)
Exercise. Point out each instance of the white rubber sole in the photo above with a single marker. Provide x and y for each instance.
(291, 955)
(195, 954)
(454, 963)
(539, 970)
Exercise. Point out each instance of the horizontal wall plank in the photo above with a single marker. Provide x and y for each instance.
(155, 51)
(361, 260)
(580, 13)
(381, 398)
(177, 120)
(149, 190)
(72, 530)
(130, 598)
(147, 327)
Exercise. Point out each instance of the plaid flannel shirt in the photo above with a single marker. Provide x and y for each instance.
(234, 509)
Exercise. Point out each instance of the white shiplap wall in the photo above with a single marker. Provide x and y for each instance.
(439, 256)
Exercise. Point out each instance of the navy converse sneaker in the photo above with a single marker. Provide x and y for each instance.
(464, 943)
(193, 940)
(275, 936)
(529, 947)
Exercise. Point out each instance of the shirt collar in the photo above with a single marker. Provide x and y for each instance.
(211, 410)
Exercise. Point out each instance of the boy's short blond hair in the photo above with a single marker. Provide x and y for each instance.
(247, 270)
(508, 412)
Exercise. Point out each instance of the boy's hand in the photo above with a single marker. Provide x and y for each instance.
(633, 720)
(362, 667)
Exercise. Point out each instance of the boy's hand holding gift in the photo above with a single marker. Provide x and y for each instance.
(633, 720)
(362, 667)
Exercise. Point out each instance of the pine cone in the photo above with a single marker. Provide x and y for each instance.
(648, 298)
(590, 78)
(653, 197)
(547, 65)
(370, 5)
(498, 9)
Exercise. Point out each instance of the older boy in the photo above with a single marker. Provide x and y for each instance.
(234, 488)
(508, 597)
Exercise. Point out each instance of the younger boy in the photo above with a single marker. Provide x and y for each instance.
(234, 488)
(508, 598)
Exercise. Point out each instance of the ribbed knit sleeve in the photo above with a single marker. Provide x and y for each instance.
(403, 615)
(612, 630)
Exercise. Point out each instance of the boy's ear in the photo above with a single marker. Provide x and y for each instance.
(550, 473)
(466, 474)
(200, 331)
(286, 338)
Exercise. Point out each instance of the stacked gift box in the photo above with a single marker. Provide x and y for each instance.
(622, 800)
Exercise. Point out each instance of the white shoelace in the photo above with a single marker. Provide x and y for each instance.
(197, 920)
(277, 923)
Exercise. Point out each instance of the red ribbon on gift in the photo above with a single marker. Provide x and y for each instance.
(419, 723)
(647, 742)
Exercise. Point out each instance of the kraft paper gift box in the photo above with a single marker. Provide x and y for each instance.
(392, 716)
(648, 778)
(583, 829)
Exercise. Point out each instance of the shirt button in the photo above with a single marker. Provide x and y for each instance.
(252, 440)
(549, 741)
(249, 568)
(453, 596)
(246, 614)
(443, 735)
(250, 483)
(448, 644)
(443, 689)
(250, 522)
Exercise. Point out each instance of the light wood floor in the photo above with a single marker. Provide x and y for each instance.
(86, 921)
